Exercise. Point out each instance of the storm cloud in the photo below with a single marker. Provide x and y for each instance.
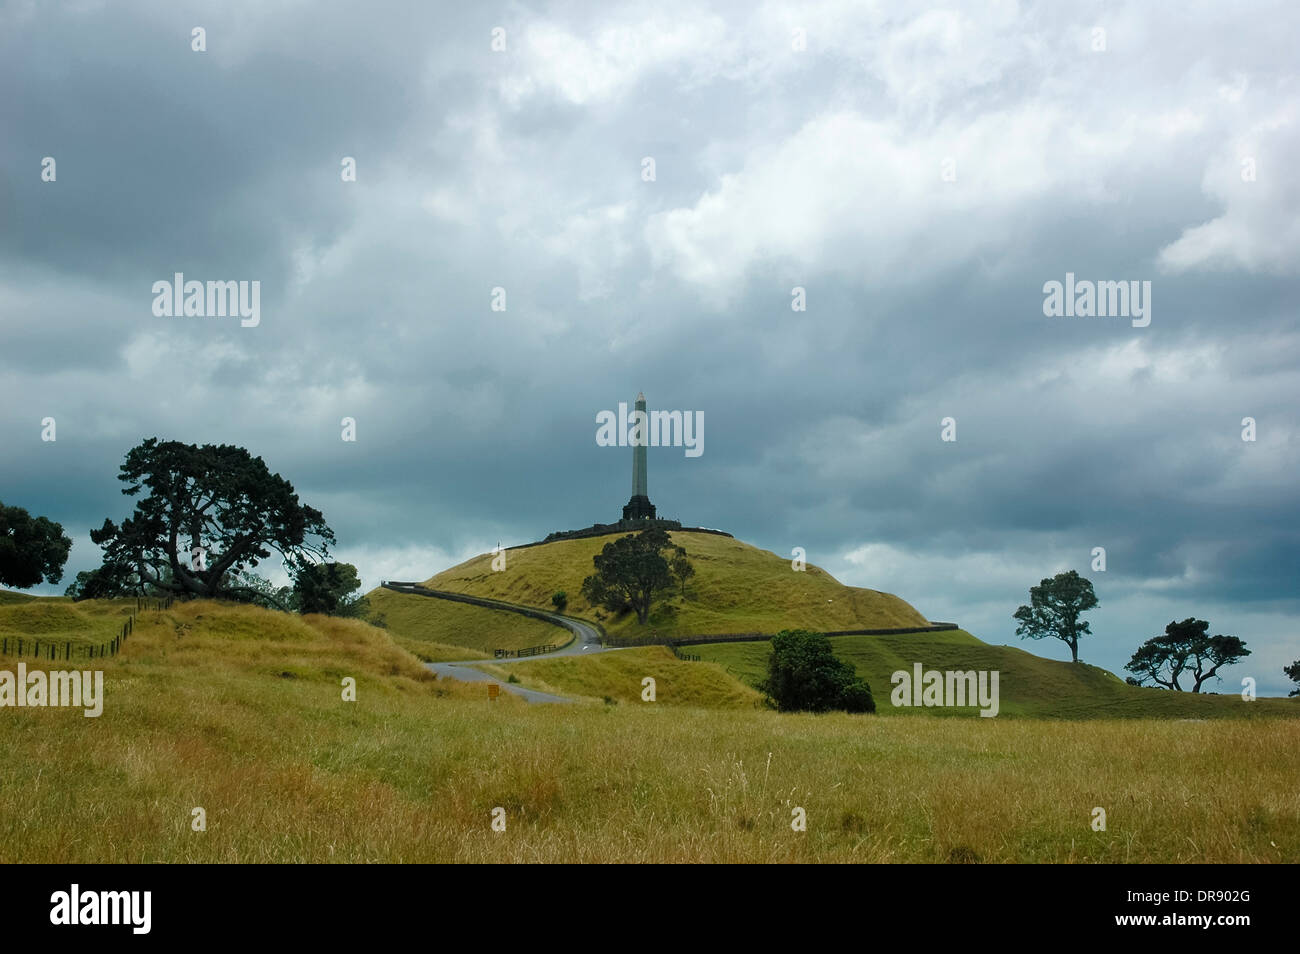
(919, 173)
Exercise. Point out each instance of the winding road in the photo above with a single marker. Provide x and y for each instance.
(586, 640)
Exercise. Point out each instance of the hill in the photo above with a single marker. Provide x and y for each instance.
(737, 588)
(59, 621)
(11, 596)
(1029, 685)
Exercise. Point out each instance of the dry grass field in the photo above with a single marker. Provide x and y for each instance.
(239, 710)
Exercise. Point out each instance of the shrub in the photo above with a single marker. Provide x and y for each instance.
(803, 675)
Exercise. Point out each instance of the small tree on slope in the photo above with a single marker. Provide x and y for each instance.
(1055, 606)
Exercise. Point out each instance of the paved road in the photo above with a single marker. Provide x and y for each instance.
(586, 640)
(467, 673)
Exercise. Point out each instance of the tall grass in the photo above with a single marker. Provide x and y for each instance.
(239, 711)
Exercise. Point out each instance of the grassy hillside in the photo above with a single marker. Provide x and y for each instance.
(1028, 685)
(10, 596)
(618, 676)
(737, 589)
(238, 710)
(437, 630)
(58, 620)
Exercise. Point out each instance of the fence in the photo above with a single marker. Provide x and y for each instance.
(760, 637)
(685, 657)
(526, 651)
(52, 651)
(674, 641)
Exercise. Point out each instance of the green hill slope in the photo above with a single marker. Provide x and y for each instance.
(1028, 685)
(737, 588)
(59, 621)
(11, 596)
(440, 630)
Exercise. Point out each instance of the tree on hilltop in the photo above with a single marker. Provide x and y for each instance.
(681, 568)
(1055, 606)
(631, 571)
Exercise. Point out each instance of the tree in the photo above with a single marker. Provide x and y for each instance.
(629, 572)
(1293, 673)
(1054, 610)
(32, 549)
(325, 588)
(681, 568)
(559, 599)
(804, 675)
(221, 505)
(103, 583)
(248, 587)
(1185, 647)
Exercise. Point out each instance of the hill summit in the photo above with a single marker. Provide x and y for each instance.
(737, 588)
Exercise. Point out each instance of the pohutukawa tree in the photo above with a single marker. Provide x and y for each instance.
(1185, 647)
(1054, 609)
(208, 514)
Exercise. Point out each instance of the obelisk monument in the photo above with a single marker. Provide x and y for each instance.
(640, 507)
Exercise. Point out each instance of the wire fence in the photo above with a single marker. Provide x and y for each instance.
(56, 649)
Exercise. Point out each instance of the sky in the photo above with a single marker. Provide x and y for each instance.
(558, 205)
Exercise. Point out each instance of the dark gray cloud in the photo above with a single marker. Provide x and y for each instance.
(775, 168)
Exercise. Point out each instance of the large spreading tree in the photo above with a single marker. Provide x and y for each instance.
(32, 549)
(206, 515)
(1055, 606)
(1185, 647)
(632, 570)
